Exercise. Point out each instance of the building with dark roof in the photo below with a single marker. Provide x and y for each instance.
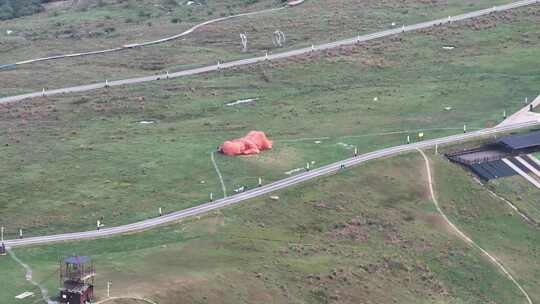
(527, 141)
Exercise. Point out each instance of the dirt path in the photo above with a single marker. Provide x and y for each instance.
(223, 188)
(126, 298)
(463, 236)
(28, 276)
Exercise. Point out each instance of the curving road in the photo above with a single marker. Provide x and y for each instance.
(256, 192)
(283, 55)
(137, 45)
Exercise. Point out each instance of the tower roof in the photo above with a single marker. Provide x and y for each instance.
(77, 260)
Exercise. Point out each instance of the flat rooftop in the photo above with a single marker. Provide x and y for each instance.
(521, 141)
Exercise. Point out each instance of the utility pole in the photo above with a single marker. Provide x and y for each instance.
(109, 283)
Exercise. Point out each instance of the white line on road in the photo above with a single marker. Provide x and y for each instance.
(464, 236)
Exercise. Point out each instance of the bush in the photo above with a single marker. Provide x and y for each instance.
(10, 9)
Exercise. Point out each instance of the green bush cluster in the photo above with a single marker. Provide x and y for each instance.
(16, 8)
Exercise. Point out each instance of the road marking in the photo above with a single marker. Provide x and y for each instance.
(464, 236)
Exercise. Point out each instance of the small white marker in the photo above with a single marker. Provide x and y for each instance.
(109, 283)
(106, 83)
(266, 56)
(211, 196)
(403, 28)
(160, 211)
(20, 234)
(313, 48)
(98, 224)
(260, 182)
(408, 139)
(43, 92)
(2, 234)
(464, 128)
(355, 151)
(218, 65)
(167, 75)
(307, 166)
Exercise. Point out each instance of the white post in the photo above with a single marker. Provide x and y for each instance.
(98, 224)
(526, 100)
(355, 151)
(109, 283)
(2, 234)
(313, 48)
(20, 233)
(106, 83)
(167, 74)
(436, 148)
(449, 19)
(464, 128)
(218, 65)
(408, 139)
(358, 39)
(266, 56)
(43, 92)
(403, 28)
(307, 166)
(211, 196)
(260, 181)
(504, 114)
(160, 211)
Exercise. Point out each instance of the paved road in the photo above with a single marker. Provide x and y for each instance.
(136, 45)
(276, 56)
(256, 192)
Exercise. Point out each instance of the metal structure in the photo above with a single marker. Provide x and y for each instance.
(279, 38)
(243, 38)
(2, 245)
(77, 278)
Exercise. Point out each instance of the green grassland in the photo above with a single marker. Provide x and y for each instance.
(68, 160)
(116, 24)
(521, 193)
(366, 235)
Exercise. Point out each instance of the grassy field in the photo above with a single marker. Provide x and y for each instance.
(328, 241)
(520, 192)
(116, 24)
(72, 159)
